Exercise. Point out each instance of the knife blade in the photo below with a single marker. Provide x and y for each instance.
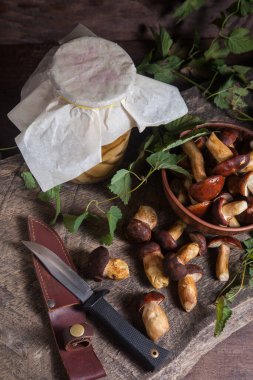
(150, 354)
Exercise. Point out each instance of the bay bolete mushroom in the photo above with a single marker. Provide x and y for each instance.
(224, 243)
(207, 189)
(152, 259)
(218, 149)
(167, 239)
(173, 267)
(197, 237)
(141, 225)
(231, 166)
(246, 217)
(153, 316)
(249, 166)
(187, 289)
(196, 159)
(100, 266)
(224, 211)
(188, 252)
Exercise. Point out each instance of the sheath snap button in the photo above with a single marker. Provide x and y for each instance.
(77, 330)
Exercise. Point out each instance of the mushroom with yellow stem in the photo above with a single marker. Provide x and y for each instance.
(141, 225)
(224, 243)
(100, 266)
(196, 159)
(225, 211)
(167, 239)
(152, 259)
(187, 289)
(153, 316)
(218, 149)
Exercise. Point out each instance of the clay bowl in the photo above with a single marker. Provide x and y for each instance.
(189, 217)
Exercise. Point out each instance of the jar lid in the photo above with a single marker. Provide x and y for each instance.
(92, 71)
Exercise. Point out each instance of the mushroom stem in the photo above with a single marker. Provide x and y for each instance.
(249, 166)
(155, 320)
(222, 272)
(188, 293)
(218, 150)
(188, 252)
(196, 159)
(116, 269)
(234, 208)
(153, 266)
(177, 229)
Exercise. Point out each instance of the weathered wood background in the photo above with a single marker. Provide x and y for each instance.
(28, 28)
(27, 350)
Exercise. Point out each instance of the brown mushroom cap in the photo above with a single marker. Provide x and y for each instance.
(138, 231)
(200, 209)
(223, 210)
(229, 241)
(195, 271)
(97, 261)
(173, 268)
(246, 217)
(200, 239)
(152, 296)
(232, 183)
(148, 248)
(165, 240)
(246, 184)
(207, 189)
(229, 136)
(232, 165)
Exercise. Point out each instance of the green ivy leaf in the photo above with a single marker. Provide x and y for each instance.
(73, 222)
(240, 41)
(121, 185)
(215, 51)
(29, 180)
(223, 313)
(52, 195)
(183, 123)
(187, 8)
(113, 216)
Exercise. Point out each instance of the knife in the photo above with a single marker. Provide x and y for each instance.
(150, 354)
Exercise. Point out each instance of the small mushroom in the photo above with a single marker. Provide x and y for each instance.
(188, 252)
(224, 243)
(173, 267)
(187, 289)
(246, 184)
(167, 239)
(141, 225)
(207, 189)
(229, 136)
(152, 258)
(100, 266)
(153, 316)
(224, 211)
(200, 209)
(246, 217)
(249, 166)
(197, 237)
(231, 166)
(218, 149)
(196, 159)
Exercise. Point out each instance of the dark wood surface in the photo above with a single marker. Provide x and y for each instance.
(27, 30)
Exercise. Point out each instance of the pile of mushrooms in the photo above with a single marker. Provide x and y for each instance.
(222, 167)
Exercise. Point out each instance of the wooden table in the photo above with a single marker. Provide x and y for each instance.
(36, 26)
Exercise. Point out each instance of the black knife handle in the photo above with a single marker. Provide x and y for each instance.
(133, 340)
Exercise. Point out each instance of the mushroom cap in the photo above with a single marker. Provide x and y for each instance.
(207, 189)
(165, 240)
(152, 296)
(200, 239)
(195, 271)
(246, 217)
(200, 209)
(148, 248)
(232, 183)
(97, 261)
(229, 241)
(173, 268)
(147, 214)
(246, 184)
(223, 210)
(232, 165)
(138, 231)
(228, 136)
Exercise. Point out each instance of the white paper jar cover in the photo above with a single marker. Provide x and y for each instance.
(83, 95)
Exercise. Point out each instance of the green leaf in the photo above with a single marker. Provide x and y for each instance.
(223, 313)
(179, 169)
(121, 185)
(240, 41)
(248, 243)
(29, 180)
(113, 216)
(187, 8)
(165, 77)
(141, 69)
(189, 136)
(163, 42)
(222, 98)
(73, 222)
(52, 195)
(163, 160)
(215, 51)
(184, 123)
(232, 293)
(245, 7)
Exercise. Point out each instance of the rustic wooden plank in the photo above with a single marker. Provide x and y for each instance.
(27, 350)
(30, 21)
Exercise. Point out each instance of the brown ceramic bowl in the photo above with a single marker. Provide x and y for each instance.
(188, 216)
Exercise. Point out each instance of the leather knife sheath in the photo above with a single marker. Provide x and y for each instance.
(71, 331)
